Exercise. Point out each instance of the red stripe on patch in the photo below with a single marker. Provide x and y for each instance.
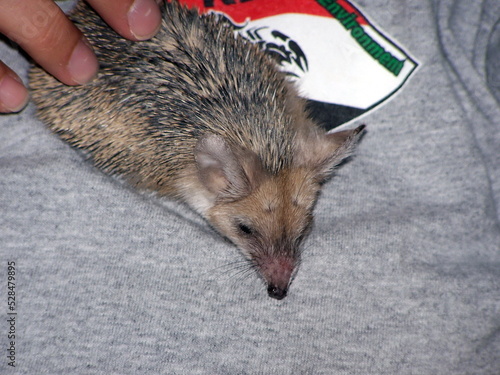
(241, 10)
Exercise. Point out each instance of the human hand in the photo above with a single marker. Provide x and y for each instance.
(44, 32)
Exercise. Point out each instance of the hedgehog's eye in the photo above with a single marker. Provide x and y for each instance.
(245, 229)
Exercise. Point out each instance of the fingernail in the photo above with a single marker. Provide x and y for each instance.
(13, 94)
(144, 19)
(82, 64)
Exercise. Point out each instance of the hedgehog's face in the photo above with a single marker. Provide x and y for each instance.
(266, 214)
(269, 224)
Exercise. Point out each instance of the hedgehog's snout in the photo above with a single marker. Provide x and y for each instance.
(276, 292)
(277, 271)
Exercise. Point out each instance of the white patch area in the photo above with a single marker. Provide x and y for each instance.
(340, 70)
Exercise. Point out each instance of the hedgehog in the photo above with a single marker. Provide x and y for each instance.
(201, 115)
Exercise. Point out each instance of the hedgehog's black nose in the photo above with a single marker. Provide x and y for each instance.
(275, 292)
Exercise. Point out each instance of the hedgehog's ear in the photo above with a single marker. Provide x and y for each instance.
(226, 172)
(322, 153)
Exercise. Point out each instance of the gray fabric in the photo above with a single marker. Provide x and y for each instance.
(401, 273)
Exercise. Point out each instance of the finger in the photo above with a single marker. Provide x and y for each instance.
(13, 94)
(45, 33)
(133, 19)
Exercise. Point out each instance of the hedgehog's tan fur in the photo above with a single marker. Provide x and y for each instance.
(193, 77)
(202, 115)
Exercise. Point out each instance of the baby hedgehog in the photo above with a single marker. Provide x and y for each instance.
(204, 116)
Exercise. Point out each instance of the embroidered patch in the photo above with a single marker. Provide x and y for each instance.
(340, 61)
